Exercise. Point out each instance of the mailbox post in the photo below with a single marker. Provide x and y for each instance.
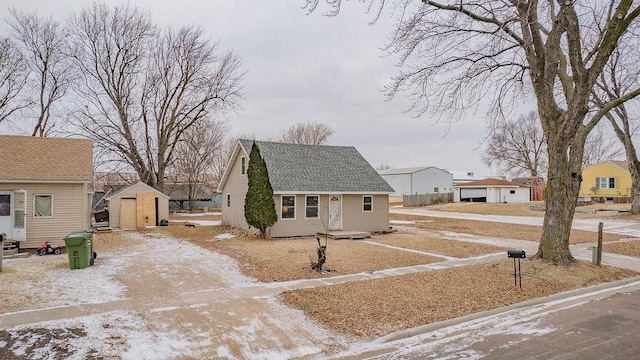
(516, 254)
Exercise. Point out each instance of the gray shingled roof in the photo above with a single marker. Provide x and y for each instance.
(321, 168)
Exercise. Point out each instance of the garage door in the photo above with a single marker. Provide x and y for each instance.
(473, 193)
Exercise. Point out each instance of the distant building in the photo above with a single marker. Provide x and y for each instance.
(491, 190)
(418, 180)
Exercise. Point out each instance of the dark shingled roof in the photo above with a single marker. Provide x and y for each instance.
(321, 168)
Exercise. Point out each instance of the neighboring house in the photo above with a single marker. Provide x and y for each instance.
(44, 188)
(136, 206)
(418, 180)
(316, 188)
(536, 184)
(491, 190)
(609, 180)
(179, 195)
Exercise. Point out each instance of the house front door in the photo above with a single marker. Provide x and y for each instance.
(6, 220)
(20, 215)
(335, 212)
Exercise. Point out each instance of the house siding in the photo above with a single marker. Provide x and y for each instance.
(606, 169)
(300, 226)
(70, 212)
(236, 185)
(355, 219)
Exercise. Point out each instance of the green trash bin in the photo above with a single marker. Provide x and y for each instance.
(80, 249)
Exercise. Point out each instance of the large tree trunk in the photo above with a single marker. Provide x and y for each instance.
(563, 187)
(634, 170)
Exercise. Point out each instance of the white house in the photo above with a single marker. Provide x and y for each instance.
(418, 180)
(491, 190)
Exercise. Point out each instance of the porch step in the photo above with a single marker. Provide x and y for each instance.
(347, 235)
(15, 256)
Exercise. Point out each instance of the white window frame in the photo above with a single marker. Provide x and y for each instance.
(34, 206)
(363, 203)
(243, 165)
(606, 181)
(317, 207)
(228, 200)
(282, 207)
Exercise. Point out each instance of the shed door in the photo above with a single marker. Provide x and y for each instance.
(335, 212)
(127, 213)
(145, 209)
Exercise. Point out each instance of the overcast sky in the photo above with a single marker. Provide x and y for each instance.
(303, 68)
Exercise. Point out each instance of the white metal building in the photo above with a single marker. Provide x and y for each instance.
(418, 180)
(491, 190)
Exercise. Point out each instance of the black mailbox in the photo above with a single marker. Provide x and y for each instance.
(516, 254)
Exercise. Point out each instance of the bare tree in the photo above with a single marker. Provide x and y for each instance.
(504, 50)
(384, 166)
(311, 133)
(517, 147)
(620, 75)
(600, 147)
(141, 89)
(43, 42)
(13, 76)
(195, 156)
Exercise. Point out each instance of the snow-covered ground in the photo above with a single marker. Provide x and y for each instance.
(156, 297)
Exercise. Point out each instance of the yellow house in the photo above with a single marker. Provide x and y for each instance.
(609, 180)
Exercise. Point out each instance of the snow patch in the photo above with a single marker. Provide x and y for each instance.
(225, 236)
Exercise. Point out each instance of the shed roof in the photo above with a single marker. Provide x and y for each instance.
(317, 168)
(30, 158)
(142, 187)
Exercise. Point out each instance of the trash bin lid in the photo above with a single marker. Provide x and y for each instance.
(77, 238)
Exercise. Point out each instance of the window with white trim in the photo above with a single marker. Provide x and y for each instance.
(243, 165)
(311, 206)
(288, 207)
(42, 205)
(605, 183)
(367, 203)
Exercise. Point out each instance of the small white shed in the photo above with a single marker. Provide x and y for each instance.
(491, 190)
(136, 206)
(418, 180)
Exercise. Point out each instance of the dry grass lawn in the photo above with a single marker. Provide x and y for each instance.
(290, 259)
(374, 308)
(629, 248)
(433, 244)
(495, 229)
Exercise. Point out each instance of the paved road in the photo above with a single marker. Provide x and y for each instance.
(600, 325)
